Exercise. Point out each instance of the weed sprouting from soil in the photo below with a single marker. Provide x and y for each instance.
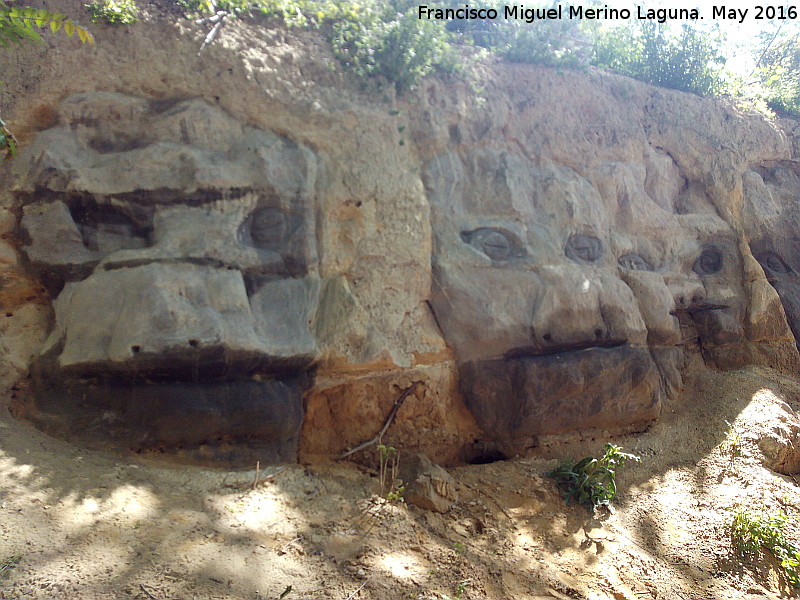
(591, 481)
(752, 533)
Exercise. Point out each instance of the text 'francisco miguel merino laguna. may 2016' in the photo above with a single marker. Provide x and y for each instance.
(520, 12)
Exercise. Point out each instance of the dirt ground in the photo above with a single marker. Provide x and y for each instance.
(79, 524)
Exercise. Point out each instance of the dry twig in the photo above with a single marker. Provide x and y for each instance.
(219, 21)
(257, 481)
(353, 595)
(149, 595)
(397, 404)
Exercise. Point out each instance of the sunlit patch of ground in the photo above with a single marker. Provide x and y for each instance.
(77, 524)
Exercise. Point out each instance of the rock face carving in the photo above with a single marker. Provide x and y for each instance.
(179, 247)
(574, 274)
(567, 298)
(773, 223)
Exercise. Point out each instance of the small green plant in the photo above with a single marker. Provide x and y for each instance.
(732, 445)
(115, 12)
(460, 588)
(459, 548)
(751, 533)
(8, 563)
(591, 481)
(8, 143)
(388, 465)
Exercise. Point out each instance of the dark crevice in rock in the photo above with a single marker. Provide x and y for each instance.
(488, 457)
(534, 351)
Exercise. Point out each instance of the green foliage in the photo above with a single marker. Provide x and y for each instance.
(373, 38)
(777, 73)
(753, 533)
(385, 39)
(398, 47)
(688, 59)
(21, 23)
(558, 42)
(781, 87)
(591, 481)
(115, 12)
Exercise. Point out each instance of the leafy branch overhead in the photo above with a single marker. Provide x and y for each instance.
(20, 23)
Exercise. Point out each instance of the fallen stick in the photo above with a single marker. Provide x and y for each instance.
(214, 30)
(149, 595)
(353, 595)
(397, 404)
(256, 482)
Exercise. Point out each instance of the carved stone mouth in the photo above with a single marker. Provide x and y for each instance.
(210, 404)
(533, 352)
(698, 309)
(191, 366)
(523, 395)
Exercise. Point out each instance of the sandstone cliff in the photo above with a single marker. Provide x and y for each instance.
(245, 252)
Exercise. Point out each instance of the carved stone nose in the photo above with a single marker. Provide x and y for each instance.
(689, 297)
(687, 291)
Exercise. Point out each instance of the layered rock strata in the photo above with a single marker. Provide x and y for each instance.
(245, 255)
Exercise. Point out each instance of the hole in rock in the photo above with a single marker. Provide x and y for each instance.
(487, 457)
(598, 333)
(194, 343)
(547, 337)
(136, 349)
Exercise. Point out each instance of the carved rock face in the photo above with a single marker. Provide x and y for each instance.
(771, 194)
(566, 300)
(179, 247)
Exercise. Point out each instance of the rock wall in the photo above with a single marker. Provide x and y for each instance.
(245, 254)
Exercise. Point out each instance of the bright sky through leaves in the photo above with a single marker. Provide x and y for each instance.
(742, 38)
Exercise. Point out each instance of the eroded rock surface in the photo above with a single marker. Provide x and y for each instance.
(180, 251)
(566, 295)
(247, 250)
(427, 485)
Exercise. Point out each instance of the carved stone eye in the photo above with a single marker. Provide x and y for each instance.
(773, 262)
(709, 262)
(271, 229)
(634, 262)
(494, 243)
(584, 248)
(267, 227)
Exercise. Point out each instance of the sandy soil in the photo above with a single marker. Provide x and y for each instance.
(79, 524)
